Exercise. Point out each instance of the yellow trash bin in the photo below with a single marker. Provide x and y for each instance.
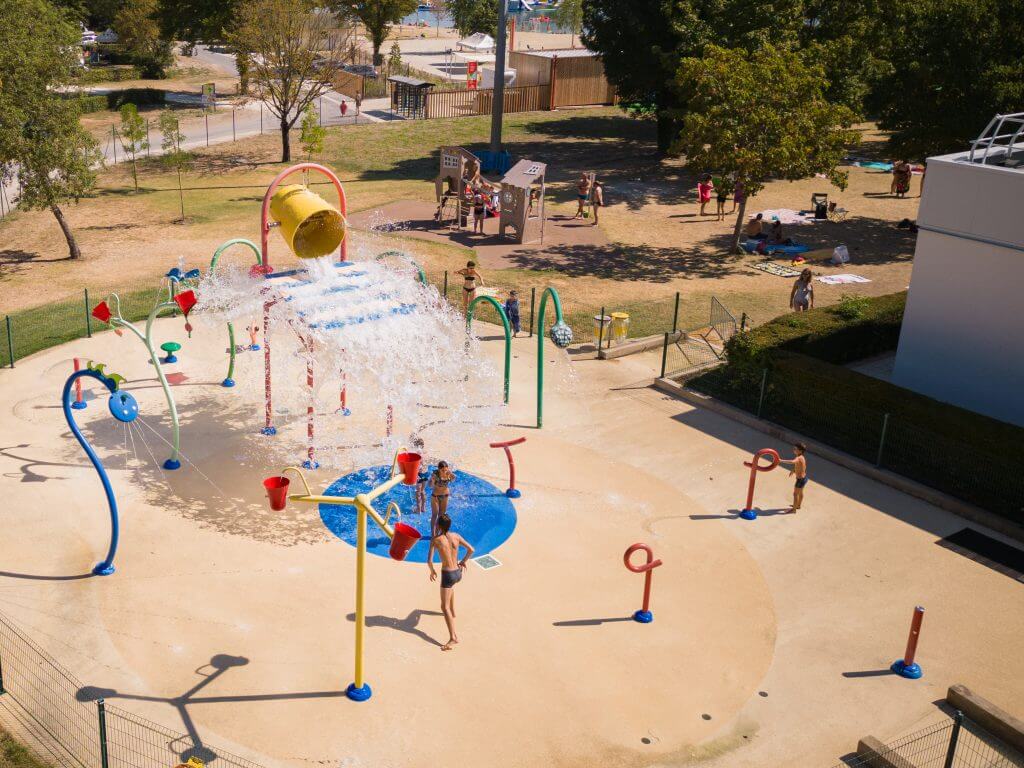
(604, 336)
(620, 327)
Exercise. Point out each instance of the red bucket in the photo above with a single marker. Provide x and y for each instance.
(277, 491)
(409, 464)
(403, 540)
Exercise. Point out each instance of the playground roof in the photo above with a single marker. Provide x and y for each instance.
(524, 173)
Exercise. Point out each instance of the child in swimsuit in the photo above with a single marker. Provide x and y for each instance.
(421, 492)
(799, 463)
(440, 479)
(704, 189)
(447, 544)
(478, 213)
(470, 276)
(512, 311)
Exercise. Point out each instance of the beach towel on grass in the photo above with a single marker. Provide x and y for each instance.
(760, 246)
(788, 216)
(841, 279)
(779, 270)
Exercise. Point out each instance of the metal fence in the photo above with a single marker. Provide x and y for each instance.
(807, 401)
(956, 743)
(686, 351)
(56, 717)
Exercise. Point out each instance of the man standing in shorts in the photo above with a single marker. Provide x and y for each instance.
(799, 462)
(447, 545)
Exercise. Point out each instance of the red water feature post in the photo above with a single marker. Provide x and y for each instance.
(512, 492)
(644, 615)
(79, 403)
(310, 462)
(907, 667)
(748, 512)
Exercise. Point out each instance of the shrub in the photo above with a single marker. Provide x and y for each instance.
(851, 330)
(112, 74)
(114, 99)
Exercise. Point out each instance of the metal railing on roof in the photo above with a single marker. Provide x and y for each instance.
(1002, 133)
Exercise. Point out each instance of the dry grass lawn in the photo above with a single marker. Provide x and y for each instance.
(658, 245)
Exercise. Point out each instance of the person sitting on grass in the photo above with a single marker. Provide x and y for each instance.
(799, 464)
(776, 236)
(447, 544)
(755, 228)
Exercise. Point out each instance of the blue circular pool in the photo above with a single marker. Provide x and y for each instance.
(480, 512)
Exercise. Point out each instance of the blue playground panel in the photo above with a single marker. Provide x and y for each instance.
(480, 512)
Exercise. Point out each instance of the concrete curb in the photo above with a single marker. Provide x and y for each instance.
(900, 483)
(993, 719)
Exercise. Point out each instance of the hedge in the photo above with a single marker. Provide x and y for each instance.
(117, 73)
(841, 333)
(114, 99)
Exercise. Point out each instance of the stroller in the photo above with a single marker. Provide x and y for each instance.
(823, 209)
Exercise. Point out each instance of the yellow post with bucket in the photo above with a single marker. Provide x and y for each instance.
(310, 225)
(403, 470)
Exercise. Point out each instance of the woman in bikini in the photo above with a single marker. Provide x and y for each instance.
(439, 480)
(470, 276)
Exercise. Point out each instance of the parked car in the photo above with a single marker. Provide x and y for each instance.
(361, 69)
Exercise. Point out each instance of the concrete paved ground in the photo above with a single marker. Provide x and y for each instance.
(767, 635)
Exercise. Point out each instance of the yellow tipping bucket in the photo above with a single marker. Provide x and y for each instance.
(310, 225)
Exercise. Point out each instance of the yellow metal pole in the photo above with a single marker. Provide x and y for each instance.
(359, 691)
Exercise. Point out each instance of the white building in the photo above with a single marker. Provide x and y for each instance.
(962, 339)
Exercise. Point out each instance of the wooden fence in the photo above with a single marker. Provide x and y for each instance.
(579, 81)
(529, 98)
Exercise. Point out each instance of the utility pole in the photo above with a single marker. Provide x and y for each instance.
(498, 105)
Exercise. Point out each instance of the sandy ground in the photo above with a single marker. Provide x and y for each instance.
(760, 628)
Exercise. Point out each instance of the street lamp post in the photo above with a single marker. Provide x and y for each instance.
(498, 105)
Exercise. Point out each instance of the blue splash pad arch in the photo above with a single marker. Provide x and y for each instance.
(480, 512)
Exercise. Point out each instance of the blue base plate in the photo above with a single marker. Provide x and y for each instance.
(172, 464)
(644, 617)
(254, 348)
(749, 514)
(228, 383)
(307, 464)
(102, 569)
(268, 431)
(358, 694)
(513, 493)
(79, 406)
(911, 671)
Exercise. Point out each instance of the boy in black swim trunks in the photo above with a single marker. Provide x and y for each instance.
(447, 545)
(799, 462)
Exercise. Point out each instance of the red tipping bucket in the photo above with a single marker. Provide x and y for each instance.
(409, 464)
(404, 538)
(277, 491)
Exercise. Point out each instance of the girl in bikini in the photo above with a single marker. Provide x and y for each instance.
(440, 479)
(470, 276)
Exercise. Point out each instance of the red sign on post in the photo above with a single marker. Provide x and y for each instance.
(471, 75)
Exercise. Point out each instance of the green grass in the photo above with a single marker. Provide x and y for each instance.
(49, 325)
(15, 755)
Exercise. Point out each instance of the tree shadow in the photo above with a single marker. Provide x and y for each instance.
(14, 261)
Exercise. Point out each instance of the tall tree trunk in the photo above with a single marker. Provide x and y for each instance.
(181, 196)
(738, 230)
(286, 144)
(135, 173)
(73, 250)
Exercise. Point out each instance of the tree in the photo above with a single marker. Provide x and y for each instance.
(195, 20)
(313, 134)
(40, 136)
(394, 58)
(641, 43)
(377, 16)
(138, 31)
(439, 12)
(471, 16)
(957, 64)
(134, 137)
(569, 14)
(56, 164)
(755, 117)
(173, 155)
(296, 55)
